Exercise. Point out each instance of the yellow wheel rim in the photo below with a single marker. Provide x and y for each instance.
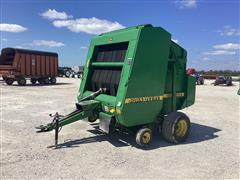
(146, 137)
(181, 128)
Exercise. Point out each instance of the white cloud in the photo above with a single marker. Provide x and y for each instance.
(186, 3)
(21, 47)
(219, 52)
(88, 25)
(229, 31)
(47, 43)
(53, 14)
(84, 47)
(4, 39)
(12, 28)
(175, 40)
(228, 46)
(205, 58)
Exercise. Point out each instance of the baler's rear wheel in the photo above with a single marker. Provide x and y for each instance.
(176, 127)
(144, 137)
(9, 81)
(22, 81)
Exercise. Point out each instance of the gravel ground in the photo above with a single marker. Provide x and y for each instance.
(211, 151)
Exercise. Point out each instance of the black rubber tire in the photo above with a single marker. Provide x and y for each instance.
(41, 81)
(170, 124)
(22, 81)
(92, 119)
(46, 81)
(53, 80)
(9, 81)
(67, 73)
(33, 80)
(140, 137)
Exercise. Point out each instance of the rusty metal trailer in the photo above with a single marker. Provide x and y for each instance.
(22, 64)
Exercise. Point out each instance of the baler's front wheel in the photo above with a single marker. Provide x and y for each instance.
(144, 137)
(176, 127)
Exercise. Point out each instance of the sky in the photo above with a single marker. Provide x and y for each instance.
(208, 29)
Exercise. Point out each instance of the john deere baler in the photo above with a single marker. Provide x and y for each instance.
(134, 79)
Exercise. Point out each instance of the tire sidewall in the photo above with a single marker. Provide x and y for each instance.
(139, 137)
(22, 81)
(176, 138)
(9, 81)
(53, 80)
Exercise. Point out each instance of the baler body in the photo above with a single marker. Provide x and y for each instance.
(143, 71)
(134, 79)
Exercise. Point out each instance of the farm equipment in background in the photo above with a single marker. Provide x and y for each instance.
(21, 64)
(64, 71)
(74, 72)
(198, 76)
(199, 79)
(77, 71)
(223, 80)
(134, 79)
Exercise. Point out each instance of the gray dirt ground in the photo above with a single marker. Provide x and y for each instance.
(211, 151)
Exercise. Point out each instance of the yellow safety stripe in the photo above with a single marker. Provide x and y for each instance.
(151, 98)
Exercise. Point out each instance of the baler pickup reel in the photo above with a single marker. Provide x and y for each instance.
(86, 107)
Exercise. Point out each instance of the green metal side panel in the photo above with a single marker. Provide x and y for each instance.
(153, 80)
(176, 79)
(147, 77)
(152, 83)
(127, 35)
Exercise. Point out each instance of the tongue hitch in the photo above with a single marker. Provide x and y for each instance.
(86, 107)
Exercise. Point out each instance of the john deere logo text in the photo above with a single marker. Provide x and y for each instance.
(151, 98)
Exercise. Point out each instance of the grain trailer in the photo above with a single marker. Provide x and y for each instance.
(21, 64)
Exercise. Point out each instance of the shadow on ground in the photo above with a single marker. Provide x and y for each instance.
(198, 134)
(37, 85)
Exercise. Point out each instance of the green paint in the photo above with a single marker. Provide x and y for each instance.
(153, 66)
